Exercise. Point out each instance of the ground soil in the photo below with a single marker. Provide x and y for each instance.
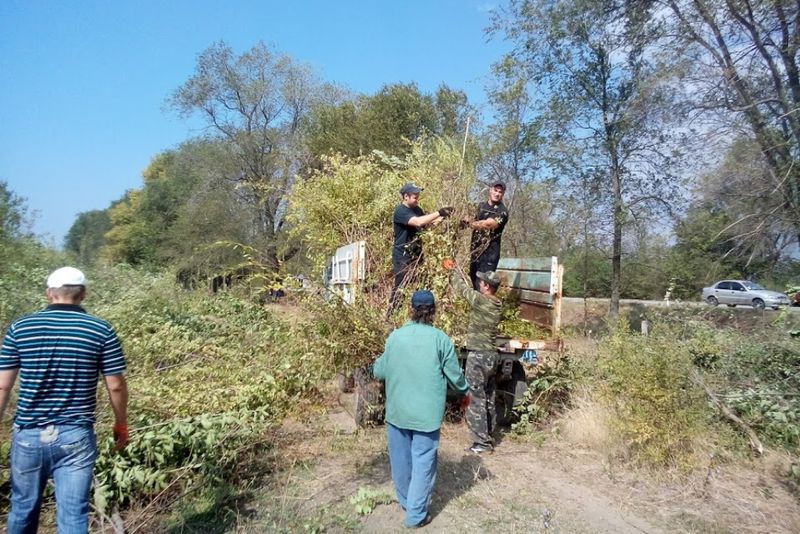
(540, 484)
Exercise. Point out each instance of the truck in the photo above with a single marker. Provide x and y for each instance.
(535, 283)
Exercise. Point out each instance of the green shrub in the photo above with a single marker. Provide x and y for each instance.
(758, 378)
(550, 384)
(659, 412)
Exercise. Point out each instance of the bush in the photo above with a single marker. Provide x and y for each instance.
(759, 379)
(550, 385)
(208, 375)
(659, 412)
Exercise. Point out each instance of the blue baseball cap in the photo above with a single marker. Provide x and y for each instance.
(422, 298)
(410, 188)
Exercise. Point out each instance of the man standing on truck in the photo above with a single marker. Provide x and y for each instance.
(408, 221)
(481, 366)
(59, 353)
(417, 363)
(487, 230)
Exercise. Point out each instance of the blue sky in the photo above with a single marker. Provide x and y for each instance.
(83, 83)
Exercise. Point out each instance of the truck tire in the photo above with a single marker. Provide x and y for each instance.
(509, 394)
(368, 401)
(344, 379)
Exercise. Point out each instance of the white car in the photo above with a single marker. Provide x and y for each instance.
(734, 292)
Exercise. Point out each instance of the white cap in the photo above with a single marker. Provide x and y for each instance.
(65, 276)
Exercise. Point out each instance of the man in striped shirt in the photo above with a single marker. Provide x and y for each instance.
(59, 353)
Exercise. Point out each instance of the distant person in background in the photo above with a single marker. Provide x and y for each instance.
(407, 221)
(417, 363)
(59, 353)
(487, 231)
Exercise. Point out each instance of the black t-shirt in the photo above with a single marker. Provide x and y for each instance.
(486, 243)
(406, 243)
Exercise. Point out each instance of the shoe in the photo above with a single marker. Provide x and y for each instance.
(479, 448)
(424, 522)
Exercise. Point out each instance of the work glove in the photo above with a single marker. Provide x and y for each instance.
(449, 264)
(445, 211)
(465, 401)
(121, 436)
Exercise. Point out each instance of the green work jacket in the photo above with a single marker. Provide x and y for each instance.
(417, 363)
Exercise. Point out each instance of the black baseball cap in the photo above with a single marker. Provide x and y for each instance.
(499, 183)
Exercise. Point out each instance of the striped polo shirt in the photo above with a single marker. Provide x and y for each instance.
(60, 352)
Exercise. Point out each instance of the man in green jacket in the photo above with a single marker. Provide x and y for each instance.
(481, 365)
(417, 363)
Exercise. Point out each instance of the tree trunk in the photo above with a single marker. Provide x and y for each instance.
(616, 245)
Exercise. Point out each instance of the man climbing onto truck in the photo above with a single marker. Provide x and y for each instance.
(485, 315)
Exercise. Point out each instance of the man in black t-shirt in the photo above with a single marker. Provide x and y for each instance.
(487, 230)
(408, 221)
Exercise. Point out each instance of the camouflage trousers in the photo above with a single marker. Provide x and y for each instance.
(480, 373)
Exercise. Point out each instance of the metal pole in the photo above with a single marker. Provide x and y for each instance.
(464, 149)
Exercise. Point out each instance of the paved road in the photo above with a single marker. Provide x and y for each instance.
(661, 303)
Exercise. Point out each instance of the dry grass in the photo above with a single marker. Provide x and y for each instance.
(588, 424)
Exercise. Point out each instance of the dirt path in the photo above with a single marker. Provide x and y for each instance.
(523, 487)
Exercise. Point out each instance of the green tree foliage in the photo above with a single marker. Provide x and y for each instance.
(24, 261)
(14, 217)
(350, 200)
(183, 208)
(699, 256)
(141, 222)
(87, 235)
(255, 102)
(396, 115)
(452, 111)
(389, 121)
(588, 272)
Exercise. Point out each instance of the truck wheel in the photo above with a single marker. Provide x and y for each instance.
(368, 407)
(509, 394)
(344, 379)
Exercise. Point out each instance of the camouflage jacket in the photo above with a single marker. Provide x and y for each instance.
(484, 317)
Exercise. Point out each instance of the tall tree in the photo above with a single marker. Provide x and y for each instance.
(741, 59)
(711, 242)
(185, 205)
(587, 58)
(256, 102)
(389, 121)
(512, 153)
(14, 216)
(86, 236)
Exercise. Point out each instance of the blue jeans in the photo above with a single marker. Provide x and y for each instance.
(65, 452)
(413, 455)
